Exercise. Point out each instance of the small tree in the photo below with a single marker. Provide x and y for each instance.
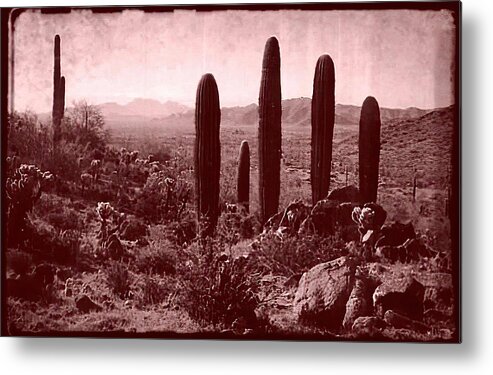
(84, 124)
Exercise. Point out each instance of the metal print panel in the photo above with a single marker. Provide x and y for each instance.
(237, 171)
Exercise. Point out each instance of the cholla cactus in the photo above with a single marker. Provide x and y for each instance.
(23, 190)
(95, 169)
(175, 192)
(105, 211)
(363, 217)
(370, 219)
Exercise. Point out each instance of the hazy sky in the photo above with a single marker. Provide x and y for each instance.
(403, 58)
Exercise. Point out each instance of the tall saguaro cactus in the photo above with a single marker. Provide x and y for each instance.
(369, 149)
(58, 94)
(323, 114)
(269, 130)
(243, 187)
(207, 154)
(62, 98)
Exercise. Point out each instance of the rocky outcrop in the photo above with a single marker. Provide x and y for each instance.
(358, 304)
(329, 216)
(346, 194)
(323, 292)
(403, 295)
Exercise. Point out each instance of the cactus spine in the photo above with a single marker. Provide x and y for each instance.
(58, 94)
(269, 130)
(369, 149)
(243, 188)
(207, 154)
(323, 113)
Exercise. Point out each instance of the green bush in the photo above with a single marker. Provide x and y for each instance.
(154, 291)
(292, 256)
(158, 258)
(218, 289)
(118, 279)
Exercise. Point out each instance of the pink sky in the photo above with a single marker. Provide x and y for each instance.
(402, 57)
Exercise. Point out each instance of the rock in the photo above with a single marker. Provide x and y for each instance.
(324, 216)
(403, 295)
(358, 304)
(85, 304)
(322, 293)
(368, 327)
(395, 234)
(346, 194)
(293, 216)
(398, 321)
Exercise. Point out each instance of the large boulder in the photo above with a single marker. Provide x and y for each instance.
(329, 216)
(323, 291)
(403, 295)
(288, 221)
(346, 194)
(359, 303)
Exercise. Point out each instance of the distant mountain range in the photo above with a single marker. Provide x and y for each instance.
(142, 108)
(294, 112)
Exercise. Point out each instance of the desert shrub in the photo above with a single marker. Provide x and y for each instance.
(134, 230)
(66, 246)
(18, 261)
(158, 258)
(29, 138)
(164, 196)
(64, 219)
(153, 291)
(233, 227)
(216, 288)
(118, 279)
(292, 256)
(182, 232)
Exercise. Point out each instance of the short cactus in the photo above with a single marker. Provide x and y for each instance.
(207, 154)
(269, 131)
(243, 186)
(23, 190)
(369, 150)
(323, 114)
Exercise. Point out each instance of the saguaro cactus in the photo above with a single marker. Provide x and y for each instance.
(369, 149)
(62, 98)
(207, 154)
(243, 187)
(269, 130)
(56, 91)
(323, 113)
